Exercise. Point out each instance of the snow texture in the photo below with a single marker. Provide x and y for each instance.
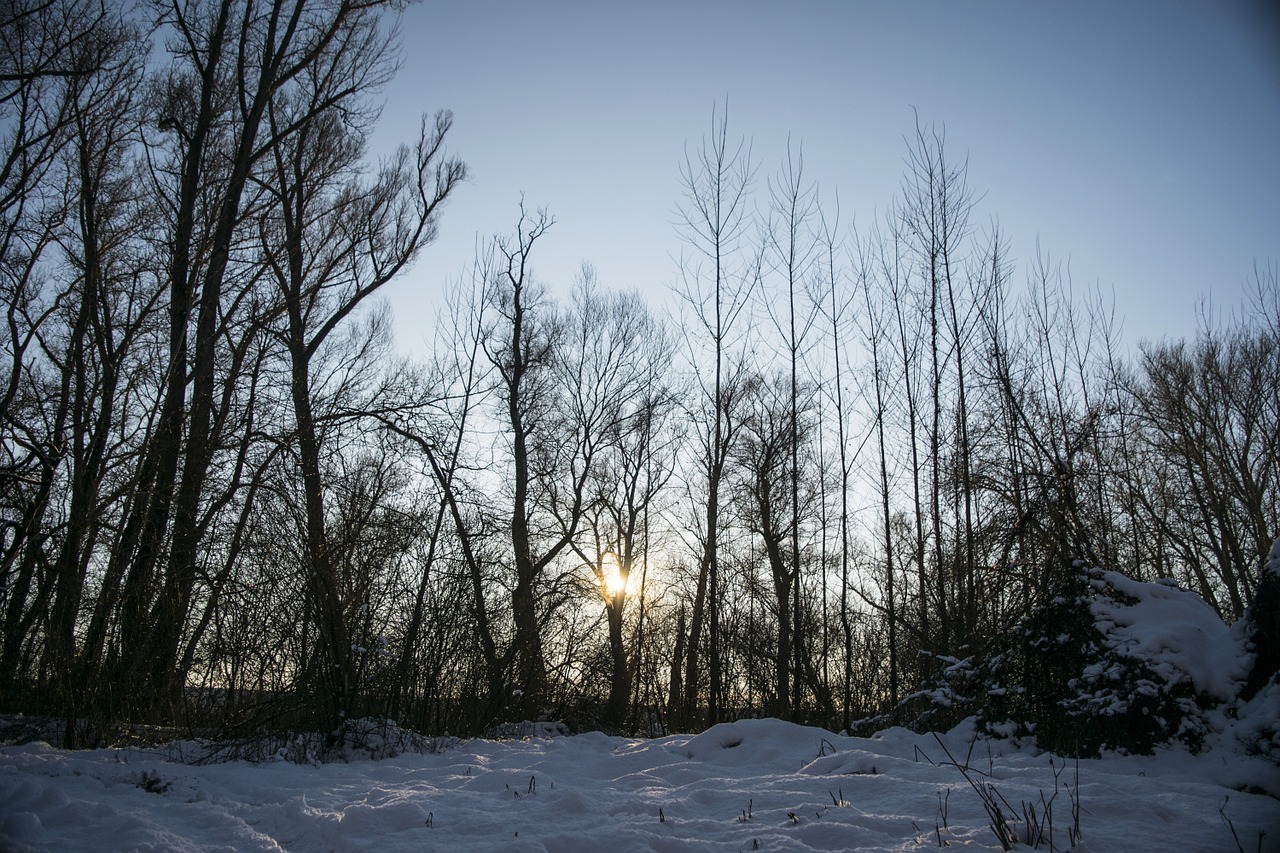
(752, 784)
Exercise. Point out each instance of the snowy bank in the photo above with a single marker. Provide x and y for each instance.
(750, 785)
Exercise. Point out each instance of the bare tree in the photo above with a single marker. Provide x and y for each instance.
(110, 310)
(791, 251)
(331, 241)
(716, 283)
(521, 340)
(156, 348)
(935, 218)
(69, 234)
(458, 373)
(1211, 421)
(229, 65)
(763, 456)
(876, 332)
(616, 362)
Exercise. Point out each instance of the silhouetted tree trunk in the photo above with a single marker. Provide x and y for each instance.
(716, 182)
(554, 441)
(838, 305)
(791, 249)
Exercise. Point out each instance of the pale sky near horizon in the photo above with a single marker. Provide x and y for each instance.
(1135, 140)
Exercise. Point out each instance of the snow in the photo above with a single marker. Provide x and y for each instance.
(1176, 633)
(752, 784)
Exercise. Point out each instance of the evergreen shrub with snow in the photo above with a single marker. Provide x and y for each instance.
(1106, 663)
(1065, 677)
(1263, 627)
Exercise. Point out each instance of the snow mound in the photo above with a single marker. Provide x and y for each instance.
(772, 744)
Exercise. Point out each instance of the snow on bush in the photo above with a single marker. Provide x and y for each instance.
(1178, 635)
(1111, 663)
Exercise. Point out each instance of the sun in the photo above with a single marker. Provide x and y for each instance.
(612, 583)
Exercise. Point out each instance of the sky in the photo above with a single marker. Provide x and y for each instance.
(1133, 141)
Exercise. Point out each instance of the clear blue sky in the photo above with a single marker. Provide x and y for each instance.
(1138, 140)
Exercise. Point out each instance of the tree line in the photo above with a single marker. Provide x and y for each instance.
(852, 456)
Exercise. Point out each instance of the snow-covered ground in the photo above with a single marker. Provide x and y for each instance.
(749, 785)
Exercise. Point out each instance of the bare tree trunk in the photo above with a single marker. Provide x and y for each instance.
(836, 318)
(716, 184)
(875, 335)
(793, 203)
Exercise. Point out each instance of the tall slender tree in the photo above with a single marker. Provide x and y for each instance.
(717, 279)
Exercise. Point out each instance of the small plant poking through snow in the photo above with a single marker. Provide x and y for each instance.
(940, 825)
(1036, 827)
(1231, 826)
(150, 781)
